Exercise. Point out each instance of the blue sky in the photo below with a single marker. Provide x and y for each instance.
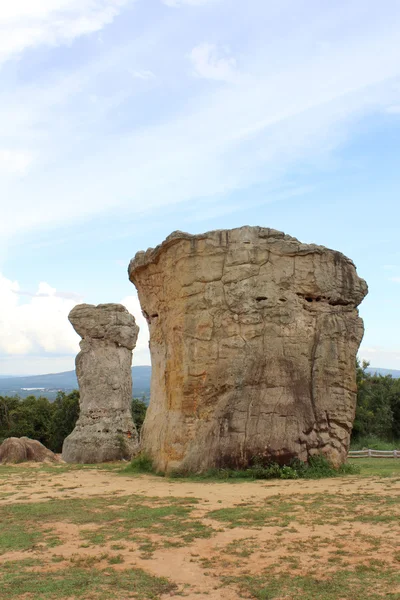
(123, 120)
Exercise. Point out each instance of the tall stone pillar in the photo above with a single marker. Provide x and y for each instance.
(105, 430)
(253, 340)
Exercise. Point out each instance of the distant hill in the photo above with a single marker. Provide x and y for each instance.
(378, 371)
(48, 385)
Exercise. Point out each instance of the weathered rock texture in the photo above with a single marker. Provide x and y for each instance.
(105, 430)
(17, 450)
(253, 339)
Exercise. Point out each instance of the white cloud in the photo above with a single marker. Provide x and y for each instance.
(40, 325)
(14, 163)
(395, 279)
(31, 23)
(141, 354)
(176, 3)
(36, 336)
(143, 74)
(380, 357)
(212, 62)
(393, 110)
(291, 107)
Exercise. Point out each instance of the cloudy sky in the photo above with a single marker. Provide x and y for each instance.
(123, 120)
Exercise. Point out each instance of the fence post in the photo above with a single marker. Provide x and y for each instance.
(369, 452)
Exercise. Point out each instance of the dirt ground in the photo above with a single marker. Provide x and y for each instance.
(301, 528)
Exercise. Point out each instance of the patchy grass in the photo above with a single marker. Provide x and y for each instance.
(17, 535)
(275, 513)
(363, 583)
(312, 509)
(79, 582)
(328, 540)
(117, 518)
(28, 471)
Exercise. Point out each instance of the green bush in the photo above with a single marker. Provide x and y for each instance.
(140, 464)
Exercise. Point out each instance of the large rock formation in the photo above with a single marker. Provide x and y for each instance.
(253, 339)
(105, 430)
(18, 450)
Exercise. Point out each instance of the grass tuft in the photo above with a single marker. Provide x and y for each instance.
(140, 464)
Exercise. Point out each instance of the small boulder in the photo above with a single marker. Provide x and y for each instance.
(17, 450)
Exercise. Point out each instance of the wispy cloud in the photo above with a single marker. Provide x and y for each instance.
(143, 74)
(395, 279)
(299, 94)
(379, 356)
(49, 293)
(176, 3)
(393, 110)
(14, 162)
(31, 23)
(212, 62)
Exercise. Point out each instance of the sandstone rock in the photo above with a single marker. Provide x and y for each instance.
(105, 430)
(253, 339)
(17, 450)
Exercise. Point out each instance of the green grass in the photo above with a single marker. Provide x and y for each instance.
(379, 467)
(75, 582)
(117, 518)
(364, 583)
(24, 536)
(374, 443)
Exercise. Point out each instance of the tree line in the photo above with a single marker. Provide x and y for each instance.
(378, 406)
(48, 422)
(377, 413)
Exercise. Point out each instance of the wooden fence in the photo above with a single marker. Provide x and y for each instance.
(374, 453)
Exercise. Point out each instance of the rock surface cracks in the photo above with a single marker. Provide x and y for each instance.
(253, 339)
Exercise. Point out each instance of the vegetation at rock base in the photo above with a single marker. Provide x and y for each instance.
(316, 468)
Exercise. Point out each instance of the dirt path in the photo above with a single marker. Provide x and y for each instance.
(89, 483)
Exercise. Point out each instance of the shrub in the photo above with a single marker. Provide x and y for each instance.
(141, 463)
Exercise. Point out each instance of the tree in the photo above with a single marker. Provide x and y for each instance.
(377, 401)
(138, 409)
(65, 416)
